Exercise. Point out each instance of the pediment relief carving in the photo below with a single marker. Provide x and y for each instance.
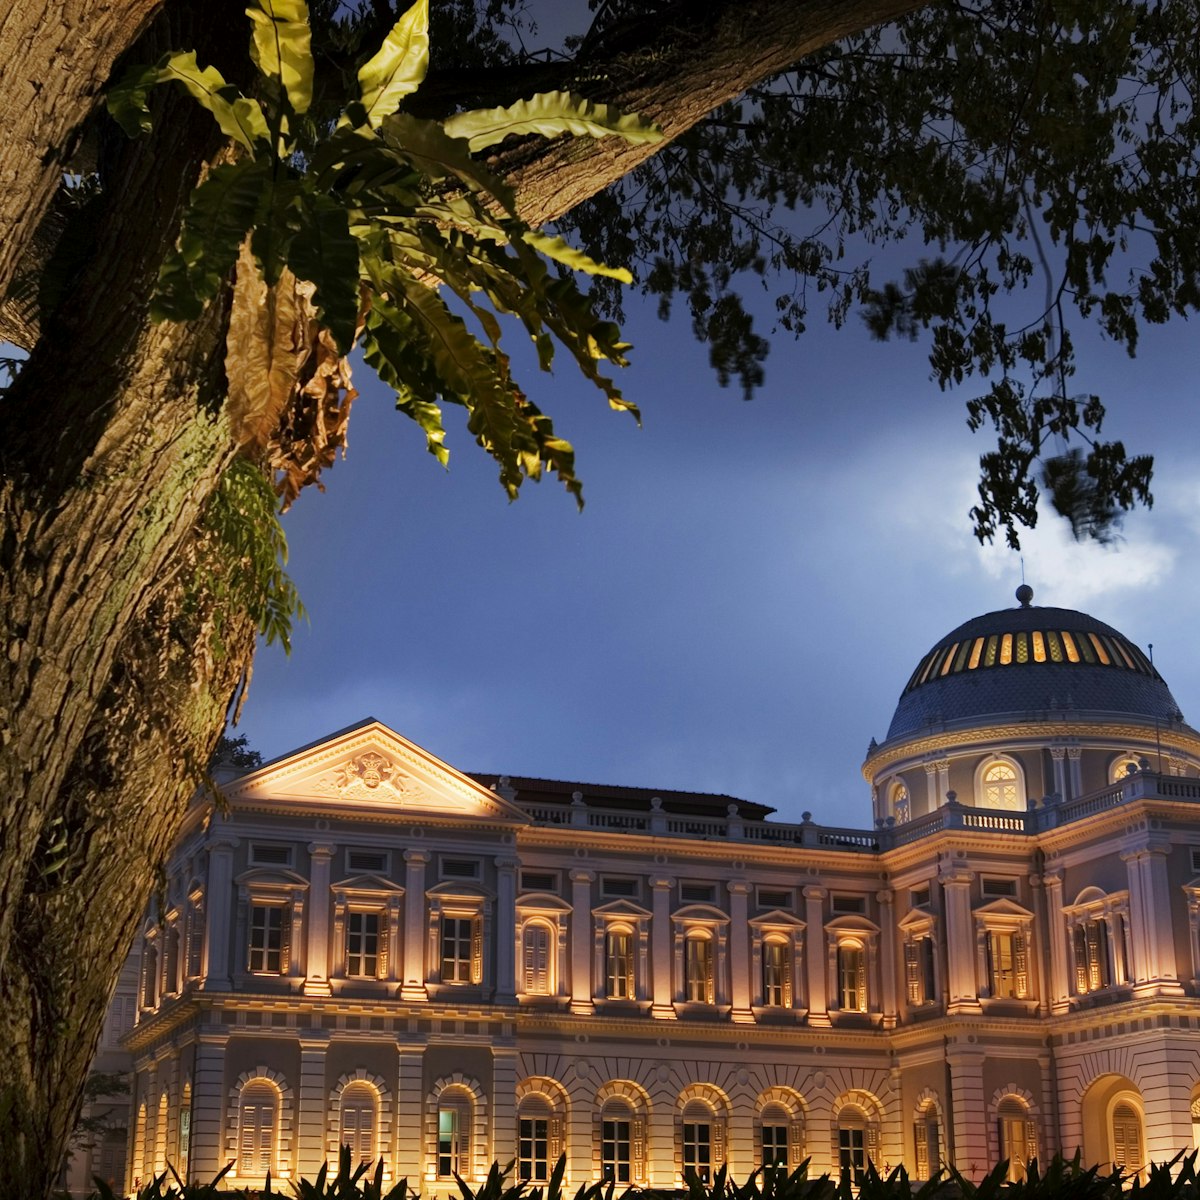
(369, 773)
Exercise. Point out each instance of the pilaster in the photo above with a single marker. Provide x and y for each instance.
(814, 915)
(739, 951)
(581, 938)
(312, 1105)
(412, 986)
(219, 906)
(505, 940)
(663, 1008)
(317, 960)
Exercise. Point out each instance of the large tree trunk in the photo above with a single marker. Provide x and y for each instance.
(112, 442)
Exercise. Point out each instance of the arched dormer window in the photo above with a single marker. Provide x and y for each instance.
(901, 805)
(1122, 765)
(1000, 783)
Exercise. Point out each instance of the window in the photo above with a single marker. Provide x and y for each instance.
(453, 1136)
(257, 1120)
(773, 1145)
(270, 934)
(849, 904)
(927, 1141)
(999, 784)
(270, 856)
(1017, 1136)
(1099, 926)
(701, 1136)
(618, 964)
(999, 887)
(536, 959)
(1127, 1138)
(149, 974)
(901, 805)
(372, 861)
(852, 1144)
(460, 868)
(697, 893)
(363, 945)
(852, 976)
(358, 1122)
(538, 1137)
(775, 898)
(620, 886)
(777, 973)
(539, 881)
(698, 968)
(462, 950)
(920, 982)
(1126, 764)
(919, 897)
(1007, 964)
(616, 1144)
(697, 1149)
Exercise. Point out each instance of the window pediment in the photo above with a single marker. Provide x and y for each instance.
(543, 902)
(453, 890)
(917, 921)
(705, 913)
(1003, 912)
(777, 920)
(622, 909)
(851, 924)
(265, 877)
(368, 883)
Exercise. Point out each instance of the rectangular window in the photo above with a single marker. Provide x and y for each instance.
(460, 868)
(697, 893)
(919, 897)
(266, 939)
(539, 881)
(698, 970)
(450, 1156)
(620, 886)
(697, 1150)
(1007, 961)
(852, 977)
(849, 904)
(618, 968)
(362, 944)
(375, 861)
(918, 971)
(777, 974)
(999, 887)
(772, 898)
(270, 856)
(616, 1161)
(774, 1146)
(458, 941)
(852, 1152)
(537, 960)
(533, 1149)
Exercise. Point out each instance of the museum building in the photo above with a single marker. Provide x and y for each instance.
(369, 947)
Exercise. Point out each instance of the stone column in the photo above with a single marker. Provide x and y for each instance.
(506, 937)
(943, 770)
(412, 986)
(663, 1006)
(1059, 988)
(814, 937)
(207, 1152)
(1074, 754)
(320, 953)
(740, 989)
(219, 906)
(931, 786)
(887, 956)
(581, 941)
(1059, 755)
(960, 941)
(312, 1105)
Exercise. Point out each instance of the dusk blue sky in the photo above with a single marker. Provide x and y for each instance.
(749, 587)
(747, 591)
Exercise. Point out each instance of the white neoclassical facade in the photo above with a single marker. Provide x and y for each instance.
(370, 947)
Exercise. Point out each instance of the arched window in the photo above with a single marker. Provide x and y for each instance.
(618, 963)
(539, 1139)
(536, 959)
(699, 1140)
(140, 1149)
(852, 975)
(258, 1121)
(1127, 1138)
(617, 1137)
(185, 1130)
(1000, 783)
(1196, 1122)
(359, 1118)
(777, 972)
(160, 1135)
(927, 1140)
(780, 1138)
(698, 968)
(1122, 765)
(901, 804)
(455, 1112)
(1017, 1136)
(856, 1141)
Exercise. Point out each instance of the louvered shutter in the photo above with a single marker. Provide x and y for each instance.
(554, 1139)
(1081, 965)
(795, 1144)
(989, 962)
(385, 935)
(1031, 1150)
(710, 971)
(921, 1139)
(1021, 964)
(912, 972)
(476, 950)
(285, 940)
(787, 976)
(863, 1002)
(1095, 977)
(718, 1137)
(637, 1138)
(873, 1142)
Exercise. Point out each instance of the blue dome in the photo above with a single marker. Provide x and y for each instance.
(1029, 663)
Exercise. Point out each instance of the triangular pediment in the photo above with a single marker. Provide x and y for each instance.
(370, 767)
(777, 919)
(917, 918)
(1004, 908)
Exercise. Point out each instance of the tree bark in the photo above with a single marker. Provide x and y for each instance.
(112, 442)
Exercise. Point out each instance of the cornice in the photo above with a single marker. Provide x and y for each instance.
(919, 747)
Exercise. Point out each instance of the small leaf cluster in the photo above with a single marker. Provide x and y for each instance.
(410, 242)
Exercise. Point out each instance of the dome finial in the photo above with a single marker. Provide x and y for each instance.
(1024, 595)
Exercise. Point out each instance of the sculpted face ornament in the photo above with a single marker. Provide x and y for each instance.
(372, 769)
